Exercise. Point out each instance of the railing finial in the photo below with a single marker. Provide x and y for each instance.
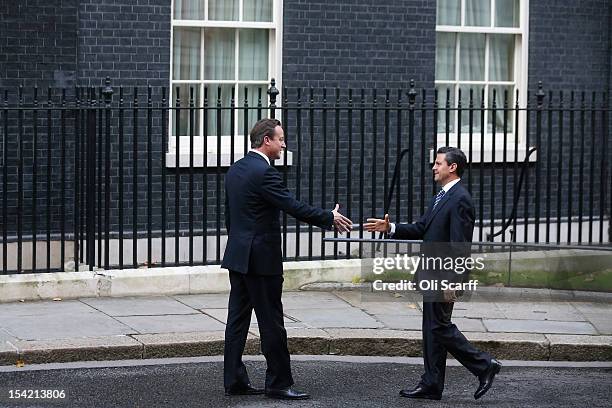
(412, 93)
(273, 92)
(540, 94)
(107, 92)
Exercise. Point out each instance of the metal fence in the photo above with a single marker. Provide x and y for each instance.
(96, 177)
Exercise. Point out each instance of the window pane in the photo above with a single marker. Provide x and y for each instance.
(184, 111)
(188, 10)
(186, 53)
(507, 13)
(472, 57)
(219, 53)
(501, 59)
(449, 12)
(257, 10)
(252, 101)
(478, 13)
(253, 63)
(499, 106)
(225, 111)
(224, 10)
(442, 97)
(445, 56)
(465, 104)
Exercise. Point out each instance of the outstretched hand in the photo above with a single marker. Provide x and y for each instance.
(341, 223)
(378, 225)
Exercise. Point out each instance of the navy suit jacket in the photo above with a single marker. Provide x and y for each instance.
(254, 196)
(451, 221)
(446, 231)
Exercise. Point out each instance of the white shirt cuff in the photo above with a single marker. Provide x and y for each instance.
(391, 229)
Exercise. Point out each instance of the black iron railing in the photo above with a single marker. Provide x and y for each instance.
(99, 178)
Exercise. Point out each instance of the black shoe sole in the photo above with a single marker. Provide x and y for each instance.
(234, 394)
(287, 398)
(422, 396)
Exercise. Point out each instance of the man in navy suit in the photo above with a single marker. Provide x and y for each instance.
(254, 196)
(446, 229)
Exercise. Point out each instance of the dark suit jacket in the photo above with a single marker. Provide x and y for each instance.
(254, 196)
(446, 231)
(451, 221)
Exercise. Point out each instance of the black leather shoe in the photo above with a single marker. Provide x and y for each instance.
(421, 392)
(486, 380)
(244, 390)
(287, 394)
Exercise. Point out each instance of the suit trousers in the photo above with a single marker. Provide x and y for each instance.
(441, 335)
(262, 293)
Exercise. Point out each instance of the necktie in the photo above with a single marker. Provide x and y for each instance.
(438, 198)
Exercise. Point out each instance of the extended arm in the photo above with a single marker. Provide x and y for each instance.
(277, 194)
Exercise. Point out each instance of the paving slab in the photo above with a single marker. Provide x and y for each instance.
(477, 310)
(541, 311)
(221, 315)
(580, 348)
(593, 308)
(79, 349)
(387, 308)
(359, 298)
(64, 325)
(205, 301)
(339, 317)
(171, 324)
(189, 344)
(138, 306)
(313, 300)
(392, 321)
(538, 326)
(603, 324)
(46, 307)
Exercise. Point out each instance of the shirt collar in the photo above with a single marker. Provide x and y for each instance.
(449, 185)
(262, 155)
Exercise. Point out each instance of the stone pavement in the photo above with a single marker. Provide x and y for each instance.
(519, 324)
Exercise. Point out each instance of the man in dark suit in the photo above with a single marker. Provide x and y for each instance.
(255, 194)
(446, 229)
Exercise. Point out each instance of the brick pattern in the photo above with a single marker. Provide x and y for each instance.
(38, 43)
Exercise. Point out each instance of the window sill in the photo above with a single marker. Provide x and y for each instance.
(213, 159)
(488, 151)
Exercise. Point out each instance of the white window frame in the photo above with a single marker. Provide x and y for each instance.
(521, 52)
(211, 157)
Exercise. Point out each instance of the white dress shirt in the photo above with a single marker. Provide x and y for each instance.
(446, 187)
(262, 155)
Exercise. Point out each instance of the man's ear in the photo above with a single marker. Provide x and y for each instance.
(452, 168)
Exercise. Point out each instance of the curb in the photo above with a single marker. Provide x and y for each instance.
(357, 342)
(161, 281)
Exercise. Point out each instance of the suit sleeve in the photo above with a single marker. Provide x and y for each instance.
(462, 218)
(227, 213)
(416, 230)
(462, 221)
(276, 193)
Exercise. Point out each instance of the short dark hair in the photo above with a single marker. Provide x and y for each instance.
(264, 127)
(454, 155)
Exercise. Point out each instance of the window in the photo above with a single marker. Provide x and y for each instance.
(481, 45)
(231, 44)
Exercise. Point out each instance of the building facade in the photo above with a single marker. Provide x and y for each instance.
(211, 51)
